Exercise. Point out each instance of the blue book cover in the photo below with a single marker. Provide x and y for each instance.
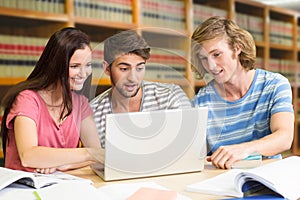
(265, 196)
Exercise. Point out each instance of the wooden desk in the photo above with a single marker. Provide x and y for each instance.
(173, 182)
(176, 182)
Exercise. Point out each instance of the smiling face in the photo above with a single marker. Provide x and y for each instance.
(219, 59)
(80, 67)
(127, 73)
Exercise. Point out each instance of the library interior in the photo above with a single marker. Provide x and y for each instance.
(167, 26)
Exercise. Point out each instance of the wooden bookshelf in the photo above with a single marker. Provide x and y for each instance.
(38, 23)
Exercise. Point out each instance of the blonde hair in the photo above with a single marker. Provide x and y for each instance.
(215, 27)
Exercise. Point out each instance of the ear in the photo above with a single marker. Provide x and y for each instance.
(106, 68)
(237, 50)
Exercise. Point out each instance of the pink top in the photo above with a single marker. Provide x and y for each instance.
(30, 104)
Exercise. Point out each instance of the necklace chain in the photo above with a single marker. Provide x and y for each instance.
(47, 104)
(59, 105)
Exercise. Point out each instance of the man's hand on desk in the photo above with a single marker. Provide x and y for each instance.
(225, 156)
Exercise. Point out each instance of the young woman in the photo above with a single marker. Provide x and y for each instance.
(44, 119)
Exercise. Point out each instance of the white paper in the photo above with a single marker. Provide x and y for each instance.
(17, 191)
(75, 190)
(121, 191)
(222, 184)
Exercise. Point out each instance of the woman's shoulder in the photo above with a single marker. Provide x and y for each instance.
(28, 92)
(29, 95)
(79, 98)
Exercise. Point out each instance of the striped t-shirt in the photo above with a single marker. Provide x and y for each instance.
(156, 96)
(248, 118)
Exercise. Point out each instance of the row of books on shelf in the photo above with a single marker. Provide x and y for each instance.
(164, 13)
(161, 13)
(286, 67)
(254, 24)
(281, 32)
(166, 64)
(109, 10)
(298, 39)
(51, 6)
(18, 56)
(202, 12)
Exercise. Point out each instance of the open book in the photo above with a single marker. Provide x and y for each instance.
(35, 180)
(282, 177)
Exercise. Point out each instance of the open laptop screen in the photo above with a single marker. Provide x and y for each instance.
(140, 144)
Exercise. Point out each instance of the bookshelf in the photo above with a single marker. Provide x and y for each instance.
(165, 24)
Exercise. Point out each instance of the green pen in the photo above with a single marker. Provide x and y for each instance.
(36, 194)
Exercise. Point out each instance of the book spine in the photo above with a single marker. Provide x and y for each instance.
(19, 55)
(202, 12)
(97, 59)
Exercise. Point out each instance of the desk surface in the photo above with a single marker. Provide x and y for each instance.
(176, 182)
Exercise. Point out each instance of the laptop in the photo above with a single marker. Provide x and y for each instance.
(154, 143)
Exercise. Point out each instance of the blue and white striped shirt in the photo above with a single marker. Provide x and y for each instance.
(248, 118)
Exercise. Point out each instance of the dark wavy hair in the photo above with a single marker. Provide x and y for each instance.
(51, 69)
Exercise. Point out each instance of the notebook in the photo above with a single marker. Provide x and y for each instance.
(143, 144)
